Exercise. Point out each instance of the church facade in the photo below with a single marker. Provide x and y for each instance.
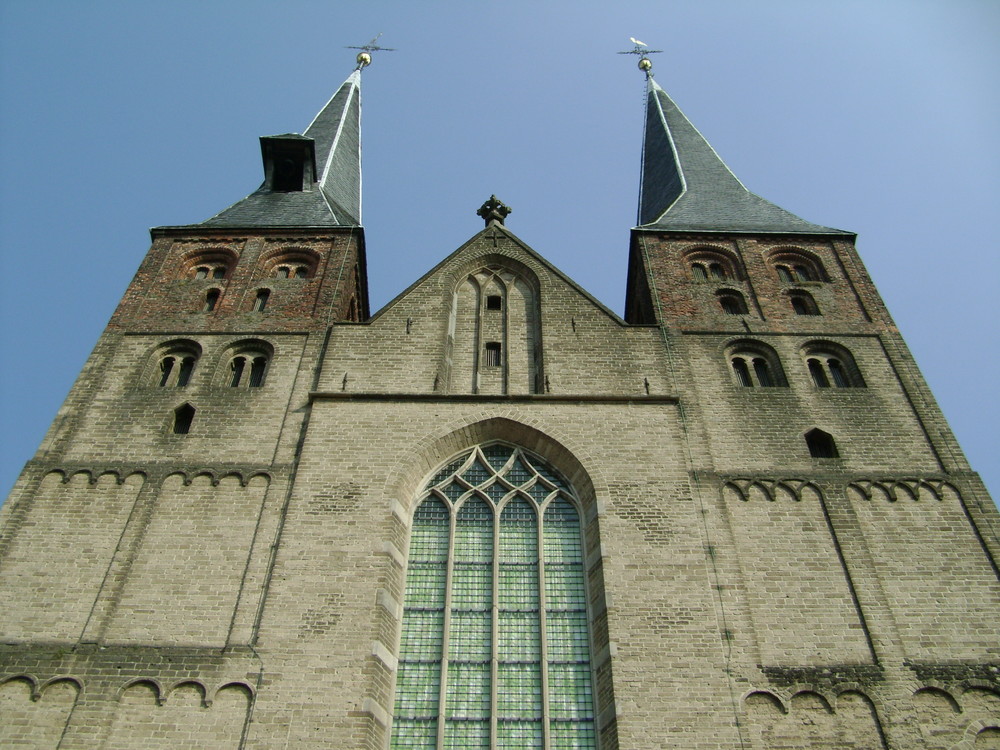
(495, 514)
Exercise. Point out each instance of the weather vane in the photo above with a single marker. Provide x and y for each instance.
(642, 49)
(365, 55)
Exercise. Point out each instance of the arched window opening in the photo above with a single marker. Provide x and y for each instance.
(763, 372)
(496, 485)
(712, 263)
(830, 363)
(821, 444)
(717, 271)
(301, 272)
(260, 303)
(818, 373)
(699, 273)
(166, 368)
(491, 356)
(281, 272)
(796, 266)
(257, 369)
(732, 303)
(219, 272)
(183, 417)
(755, 364)
(237, 366)
(201, 272)
(290, 263)
(742, 372)
(211, 300)
(803, 304)
(184, 373)
(211, 264)
(174, 364)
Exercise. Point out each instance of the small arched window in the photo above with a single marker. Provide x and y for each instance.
(712, 263)
(732, 302)
(796, 266)
(803, 303)
(246, 364)
(210, 264)
(755, 364)
(290, 263)
(175, 364)
(260, 302)
(821, 444)
(832, 364)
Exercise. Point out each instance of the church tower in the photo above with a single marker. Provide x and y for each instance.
(495, 514)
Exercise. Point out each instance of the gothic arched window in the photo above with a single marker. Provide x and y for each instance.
(475, 532)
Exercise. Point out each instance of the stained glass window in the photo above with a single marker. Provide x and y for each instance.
(495, 571)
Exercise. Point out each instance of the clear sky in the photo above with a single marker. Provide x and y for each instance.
(881, 118)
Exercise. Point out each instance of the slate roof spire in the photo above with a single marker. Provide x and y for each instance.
(685, 186)
(312, 179)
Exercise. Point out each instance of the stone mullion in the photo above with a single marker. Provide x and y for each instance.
(543, 628)
(494, 623)
(446, 629)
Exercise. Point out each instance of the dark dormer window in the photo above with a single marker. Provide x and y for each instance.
(494, 302)
(287, 175)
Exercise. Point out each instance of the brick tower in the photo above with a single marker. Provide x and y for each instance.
(494, 514)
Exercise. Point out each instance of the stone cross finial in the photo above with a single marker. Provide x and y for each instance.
(493, 210)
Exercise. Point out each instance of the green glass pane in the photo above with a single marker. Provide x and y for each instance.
(566, 633)
(471, 636)
(422, 635)
(564, 588)
(518, 534)
(497, 455)
(518, 587)
(550, 475)
(417, 689)
(571, 735)
(496, 491)
(454, 490)
(519, 691)
(467, 735)
(409, 733)
(477, 473)
(518, 636)
(540, 492)
(468, 692)
(425, 586)
(561, 532)
(570, 693)
(447, 471)
(518, 473)
(519, 735)
(474, 532)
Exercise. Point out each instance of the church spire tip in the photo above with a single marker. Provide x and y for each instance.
(364, 58)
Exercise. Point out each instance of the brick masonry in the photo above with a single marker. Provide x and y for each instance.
(240, 585)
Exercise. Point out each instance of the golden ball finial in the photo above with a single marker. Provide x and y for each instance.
(364, 59)
(645, 64)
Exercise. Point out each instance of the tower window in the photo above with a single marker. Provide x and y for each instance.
(287, 175)
(794, 266)
(755, 364)
(209, 264)
(211, 299)
(803, 303)
(175, 364)
(248, 363)
(832, 364)
(495, 493)
(237, 366)
(183, 417)
(732, 302)
(821, 444)
(492, 355)
(699, 272)
(260, 303)
(494, 302)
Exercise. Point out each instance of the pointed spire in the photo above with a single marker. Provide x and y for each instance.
(312, 179)
(686, 186)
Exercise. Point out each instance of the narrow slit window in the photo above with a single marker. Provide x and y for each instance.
(219, 273)
(717, 271)
(784, 274)
(184, 374)
(699, 273)
(742, 373)
(166, 367)
(257, 369)
(763, 373)
(492, 355)
(817, 373)
(201, 272)
(238, 365)
(260, 303)
(301, 272)
(838, 374)
(211, 299)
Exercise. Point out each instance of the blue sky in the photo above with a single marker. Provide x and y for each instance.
(880, 118)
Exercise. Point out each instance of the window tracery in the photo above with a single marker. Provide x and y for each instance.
(493, 692)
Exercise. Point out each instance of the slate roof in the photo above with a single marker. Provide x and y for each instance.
(686, 186)
(336, 198)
